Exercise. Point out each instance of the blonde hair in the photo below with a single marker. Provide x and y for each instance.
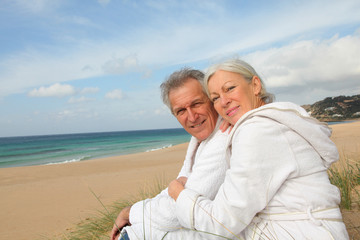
(244, 69)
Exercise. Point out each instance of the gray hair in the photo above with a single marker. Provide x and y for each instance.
(178, 79)
(244, 69)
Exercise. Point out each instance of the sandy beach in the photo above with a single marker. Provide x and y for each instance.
(46, 200)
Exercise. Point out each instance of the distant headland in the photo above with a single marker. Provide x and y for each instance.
(339, 108)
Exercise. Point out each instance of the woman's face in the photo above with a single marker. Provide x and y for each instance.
(232, 95)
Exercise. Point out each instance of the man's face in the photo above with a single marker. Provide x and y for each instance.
(193, 109)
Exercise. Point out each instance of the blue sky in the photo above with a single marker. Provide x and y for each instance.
(90, 66)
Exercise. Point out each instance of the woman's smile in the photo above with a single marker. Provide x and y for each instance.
(232, 111)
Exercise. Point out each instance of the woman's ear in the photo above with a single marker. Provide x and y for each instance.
(256, 82)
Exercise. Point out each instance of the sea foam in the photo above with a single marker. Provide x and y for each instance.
(68, 161)
(155, 149)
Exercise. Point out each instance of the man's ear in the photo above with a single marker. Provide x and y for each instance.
(256, 82)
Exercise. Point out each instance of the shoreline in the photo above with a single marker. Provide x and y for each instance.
(46, 200)
(83, 159)
(107, 155)
(42, 150)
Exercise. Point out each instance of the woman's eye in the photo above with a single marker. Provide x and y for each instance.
(214, 99)
(230, 88)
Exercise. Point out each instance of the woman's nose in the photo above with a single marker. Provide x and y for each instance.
(224, 101)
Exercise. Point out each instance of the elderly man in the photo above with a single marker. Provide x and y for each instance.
(204, 166)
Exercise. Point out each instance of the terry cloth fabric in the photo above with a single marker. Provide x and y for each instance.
(278, 165)
(205, 166)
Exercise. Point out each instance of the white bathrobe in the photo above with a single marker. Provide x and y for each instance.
(205, 166)
(277, 186)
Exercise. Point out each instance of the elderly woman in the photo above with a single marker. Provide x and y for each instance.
(277, 186)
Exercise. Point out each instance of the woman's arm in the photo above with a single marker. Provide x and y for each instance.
(261, 161)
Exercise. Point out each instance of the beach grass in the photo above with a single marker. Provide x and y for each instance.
(345, 175)
(99, 225)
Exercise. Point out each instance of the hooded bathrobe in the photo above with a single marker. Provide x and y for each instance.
(277, 186)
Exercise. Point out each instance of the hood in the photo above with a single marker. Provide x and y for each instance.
(296, 118)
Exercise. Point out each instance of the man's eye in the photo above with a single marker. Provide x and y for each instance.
(180, 112)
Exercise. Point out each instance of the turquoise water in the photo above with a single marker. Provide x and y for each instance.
(56, 149)
(332, 123)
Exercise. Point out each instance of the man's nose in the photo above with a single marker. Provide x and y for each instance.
(191, 115)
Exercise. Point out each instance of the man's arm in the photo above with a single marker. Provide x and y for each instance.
(121, 221)
(159, 212)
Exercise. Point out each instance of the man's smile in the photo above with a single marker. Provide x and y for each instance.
(198, 125)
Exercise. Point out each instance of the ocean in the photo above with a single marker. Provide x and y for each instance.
(65, 148)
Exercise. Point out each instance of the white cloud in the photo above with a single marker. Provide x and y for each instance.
(80, 99)
(162, 111)
(313, 63)
(75, 114)
(115, 94)
(152, 47)
(104, 2)
(89, 90)
(65, 114)
(77, 20)
(121, 65)
(37, 6)
(55, 90)
(32, 68)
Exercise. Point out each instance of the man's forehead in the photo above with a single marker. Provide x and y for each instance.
(189, 102)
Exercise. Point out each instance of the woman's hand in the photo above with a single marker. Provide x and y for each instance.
(225, 125)
(182, 180)
(176, 186)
